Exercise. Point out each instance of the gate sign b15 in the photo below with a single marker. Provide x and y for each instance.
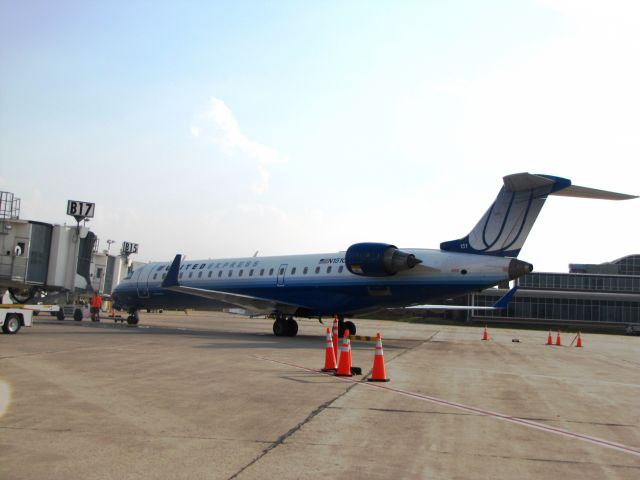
(128, 247)
(80, 209)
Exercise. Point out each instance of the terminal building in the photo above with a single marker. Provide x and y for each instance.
(603, 296)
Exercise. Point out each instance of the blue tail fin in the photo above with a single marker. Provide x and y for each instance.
(504, 228)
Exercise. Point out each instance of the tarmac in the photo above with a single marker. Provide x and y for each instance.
(217, 396)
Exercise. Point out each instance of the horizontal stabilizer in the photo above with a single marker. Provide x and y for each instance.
(585, 192)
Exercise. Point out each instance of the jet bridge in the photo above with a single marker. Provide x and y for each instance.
(36, 255)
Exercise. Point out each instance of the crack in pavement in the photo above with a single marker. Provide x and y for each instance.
(293, 430)
(314, 414)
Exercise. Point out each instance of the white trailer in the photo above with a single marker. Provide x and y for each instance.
(13, 318)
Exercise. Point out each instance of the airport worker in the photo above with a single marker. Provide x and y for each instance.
(96, 305)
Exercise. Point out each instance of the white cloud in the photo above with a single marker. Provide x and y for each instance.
(219, 125)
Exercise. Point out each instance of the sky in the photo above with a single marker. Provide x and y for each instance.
(221, 128)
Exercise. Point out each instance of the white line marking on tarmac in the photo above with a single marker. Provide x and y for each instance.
(518, 421)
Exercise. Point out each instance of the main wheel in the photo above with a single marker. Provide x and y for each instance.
(77, 315)
(348, 325)
(291, 327)
(133, 319)
(12, 324)
(280, 328)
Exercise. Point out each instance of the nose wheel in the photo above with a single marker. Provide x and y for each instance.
(133, 318)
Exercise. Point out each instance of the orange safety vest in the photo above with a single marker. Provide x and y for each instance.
(96, 301)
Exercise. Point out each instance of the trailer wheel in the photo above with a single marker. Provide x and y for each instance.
(60, 314)
(12, 323)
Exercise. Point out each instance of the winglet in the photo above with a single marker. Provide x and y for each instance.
(171, 280)
(503, 302)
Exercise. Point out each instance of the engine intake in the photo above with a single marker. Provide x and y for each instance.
(378, 259)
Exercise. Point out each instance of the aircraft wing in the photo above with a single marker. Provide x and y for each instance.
(501, 304)
(254, 304)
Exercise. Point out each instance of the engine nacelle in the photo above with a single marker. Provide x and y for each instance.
(378, 259)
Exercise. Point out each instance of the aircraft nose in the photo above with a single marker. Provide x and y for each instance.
(518, 268)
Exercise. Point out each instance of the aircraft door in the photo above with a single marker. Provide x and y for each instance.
(282, 270)
(143, 281)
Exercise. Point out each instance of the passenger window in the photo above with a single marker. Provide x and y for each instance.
(210, 273)
(340, 269)
(155, 275)
(270, 271)
(281, 271)
(251, 272)
(317, 270)
(329, 269)
(199, 274)
(230, 273)
(190, 274)
(306, 270)
(180, 276)
(261, 272)
(240, 273)
(164, 275)
(219, 273)
(293, 271)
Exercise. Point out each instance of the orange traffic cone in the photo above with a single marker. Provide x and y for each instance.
(344, 365)
(558, 341)
(485, 334)
(329, 357)
(379, 373)
(335, 337)
(549, 339)
(579, 343)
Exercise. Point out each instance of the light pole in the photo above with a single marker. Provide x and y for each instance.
(109, 242)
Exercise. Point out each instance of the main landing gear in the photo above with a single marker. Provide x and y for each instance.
(348, 325)
(285, 327)
(288, 327)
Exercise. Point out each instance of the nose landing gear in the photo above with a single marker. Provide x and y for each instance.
(133, 318)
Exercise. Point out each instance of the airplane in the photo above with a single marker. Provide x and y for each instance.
(367, 277)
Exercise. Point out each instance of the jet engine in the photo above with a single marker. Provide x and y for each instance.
(378, 259)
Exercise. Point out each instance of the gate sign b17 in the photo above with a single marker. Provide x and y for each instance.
(80, 209)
